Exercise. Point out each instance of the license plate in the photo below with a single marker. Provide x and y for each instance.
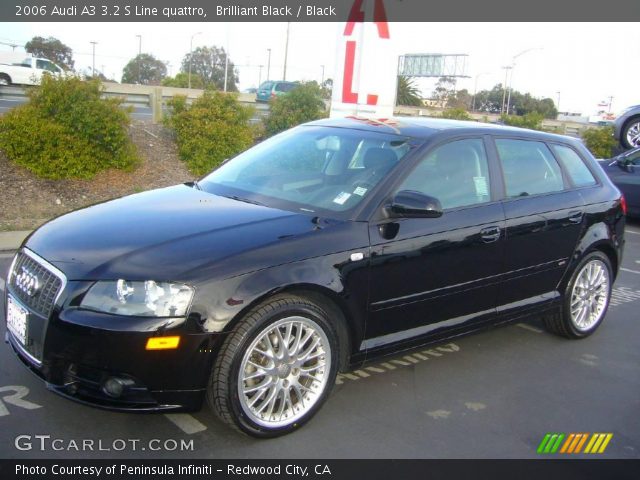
(17, 318)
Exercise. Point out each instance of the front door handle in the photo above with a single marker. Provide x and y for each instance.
(575, 217)
(490, 234)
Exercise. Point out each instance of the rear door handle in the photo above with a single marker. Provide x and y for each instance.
(575, 217)
(490, 234)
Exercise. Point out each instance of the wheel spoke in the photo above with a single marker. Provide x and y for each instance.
(590, 295)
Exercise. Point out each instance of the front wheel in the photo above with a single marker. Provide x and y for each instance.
(631, 133)
(586, 298)
(276, 368)
(5, 80)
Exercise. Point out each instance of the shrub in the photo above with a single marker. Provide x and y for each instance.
(532, 120)
(213, 128)
(600, 141)
(68, 131)
(302, 104)
(456, 114)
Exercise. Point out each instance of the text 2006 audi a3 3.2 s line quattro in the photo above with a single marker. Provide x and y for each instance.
(333, 241)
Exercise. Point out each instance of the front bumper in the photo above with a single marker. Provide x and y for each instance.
(79, 351)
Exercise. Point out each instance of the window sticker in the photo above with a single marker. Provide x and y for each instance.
(360, 191)
(341, 198)
(481, 186)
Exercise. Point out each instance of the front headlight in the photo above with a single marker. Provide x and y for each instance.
(146, 299)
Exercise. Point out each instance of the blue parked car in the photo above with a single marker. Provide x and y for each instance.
(624, 171)
(271, 89)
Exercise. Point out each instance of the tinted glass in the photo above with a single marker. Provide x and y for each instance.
(310, 168)
(633, 157)
(574, 166)
(455, 173)
(285, 87)
(266, 86)
(529, 168)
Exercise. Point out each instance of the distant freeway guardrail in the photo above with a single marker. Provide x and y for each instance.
(154, 97)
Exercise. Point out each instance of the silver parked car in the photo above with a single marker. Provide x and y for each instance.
(627, 127)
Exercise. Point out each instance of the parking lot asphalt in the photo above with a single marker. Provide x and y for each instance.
(493, 394)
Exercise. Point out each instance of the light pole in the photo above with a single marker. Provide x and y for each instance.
(558, 101)
(139, 53)
(191, 54)
(93, 63)
(322, 81)
(286, 53)
(475, 90)
(504, 88)
(260, 74)
(268, 63)
(513, 66)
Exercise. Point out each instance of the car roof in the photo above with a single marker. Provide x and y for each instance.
(425, 127)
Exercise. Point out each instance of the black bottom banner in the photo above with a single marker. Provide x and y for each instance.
(583, 469)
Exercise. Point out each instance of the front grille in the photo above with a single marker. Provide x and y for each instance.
(41, 300)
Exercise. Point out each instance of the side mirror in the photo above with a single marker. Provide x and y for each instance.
(412, 204)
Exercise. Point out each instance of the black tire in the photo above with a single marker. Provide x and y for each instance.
(223, 392)
(632, 123)
(5, 79)
(563, 323)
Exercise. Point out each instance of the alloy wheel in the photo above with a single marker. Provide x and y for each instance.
(633, 134)
(284, 372)
(590, 295)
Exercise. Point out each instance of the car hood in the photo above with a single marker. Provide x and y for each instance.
(170, 234)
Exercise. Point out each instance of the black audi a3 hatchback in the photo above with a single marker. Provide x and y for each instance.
(333, 243)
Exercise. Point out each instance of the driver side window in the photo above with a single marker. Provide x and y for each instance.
(456, 173)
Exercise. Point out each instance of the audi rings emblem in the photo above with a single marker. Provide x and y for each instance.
(27, 282)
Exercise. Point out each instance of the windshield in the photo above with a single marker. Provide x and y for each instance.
(310, 169)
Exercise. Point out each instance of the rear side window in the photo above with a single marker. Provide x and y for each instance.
(266, 86)
(575, 167)
(285, 87)
(529, 168)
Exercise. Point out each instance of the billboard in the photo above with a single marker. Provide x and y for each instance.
(433, 65)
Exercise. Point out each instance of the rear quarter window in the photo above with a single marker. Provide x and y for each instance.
(578, 172)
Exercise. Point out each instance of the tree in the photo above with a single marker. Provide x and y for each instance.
(144, 69)
(302, 104)
(181, 80)
(407, 93)
(460, 100)
(52, 49)
(209, 63)
(519, 103)
(444, 90)
(327, 89)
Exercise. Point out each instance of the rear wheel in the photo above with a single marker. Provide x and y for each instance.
(5, 79)
(586, 298)
(276, 368)
(631, 133)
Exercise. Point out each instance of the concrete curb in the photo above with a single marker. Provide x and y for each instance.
(10, 241)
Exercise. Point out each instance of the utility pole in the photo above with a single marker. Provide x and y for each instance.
(286, 53)
(260, 74)
(268, 63)
(610, 103)
(322, 81)
(558, 101)
(139, 53)
(93, 63)
(191, 55)
(139, 44)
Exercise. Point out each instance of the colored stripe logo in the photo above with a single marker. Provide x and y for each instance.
(574, 443)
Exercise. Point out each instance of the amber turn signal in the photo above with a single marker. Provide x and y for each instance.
(162, 343)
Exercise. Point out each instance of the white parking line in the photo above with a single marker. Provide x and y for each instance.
(186, 422)
(2, 284)
(632, 231)
(7, 255)
(529, 327)
(630, 271)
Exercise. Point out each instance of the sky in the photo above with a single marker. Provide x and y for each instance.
(586, 62)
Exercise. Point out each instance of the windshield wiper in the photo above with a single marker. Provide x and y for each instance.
(246, 200)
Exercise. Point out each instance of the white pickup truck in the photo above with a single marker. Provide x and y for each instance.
(26, 71)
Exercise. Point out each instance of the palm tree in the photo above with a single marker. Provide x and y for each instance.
(407, 93)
